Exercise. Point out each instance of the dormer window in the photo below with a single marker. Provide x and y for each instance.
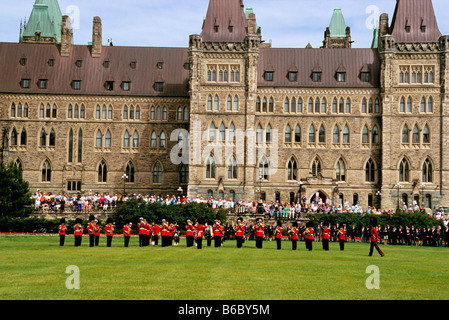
(106, 64)
(160, 65)
(341, 76)
(109, 85)
(79, 63)
(133, 64)
(51, 62)
(42, 83)
(407, 26)
(159, 86)
(293, 76)
(23, 61)
(126, 85)
(25, 83)
(76, 84)
(316, 76)
(269, 75)
(365, 76)
(423, 26)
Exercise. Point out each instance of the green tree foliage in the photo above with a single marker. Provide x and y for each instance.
(15, 195)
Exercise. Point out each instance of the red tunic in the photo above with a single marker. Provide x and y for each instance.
(341, 234)
(239, 231)
(295, 232)
(127, 231)
(190, 231)
(278, 233)
(78, 230)
(109, 229)
(218, 231)
(310, 234)
(326, 235)
(62, 229)
(97, 230)
(199, 229)
(91, 228)
(374, 235)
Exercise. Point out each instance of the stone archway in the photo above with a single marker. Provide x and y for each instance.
(318, 194)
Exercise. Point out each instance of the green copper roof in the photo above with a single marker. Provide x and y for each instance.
(374, 45)
(337, 26)
(46, 18)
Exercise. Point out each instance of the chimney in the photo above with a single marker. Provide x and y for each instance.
(383, 25)
(252, 24)
(97, 41)
(66, 36)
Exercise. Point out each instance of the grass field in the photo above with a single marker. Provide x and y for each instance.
(34, 267)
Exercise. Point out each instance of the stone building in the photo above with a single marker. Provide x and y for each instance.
(231, 116)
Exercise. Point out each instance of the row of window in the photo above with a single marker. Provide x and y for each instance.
(317, 76)
(79, 112)
(232, 104)
(405, 106)
(416, 74)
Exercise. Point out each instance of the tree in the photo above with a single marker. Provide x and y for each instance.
(15, 195)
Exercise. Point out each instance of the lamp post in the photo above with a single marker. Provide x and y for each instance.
(399, 186)
(124, 177)
(422, 186)
(259, 190)
(379, 195)
(179, 191)
(300, 183)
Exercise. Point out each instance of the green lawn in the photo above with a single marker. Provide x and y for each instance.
(35, 268)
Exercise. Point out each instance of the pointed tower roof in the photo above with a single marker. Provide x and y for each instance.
(46, 18)
(414, 21)
(337, 26)
(225, 21)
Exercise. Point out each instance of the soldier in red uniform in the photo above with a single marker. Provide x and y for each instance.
(199, 227)
(217, 229)
(326, 237)
(62, 232)
(239, 232)
(156, 232)
(342, 238)
(109, 230)
(278, 234)
(141, 227)
(165, 233)
(294, 235)
(97, 232)
(127, 233)
(259, 232)
(91, 231)
(374, 238)
(78, 232)
(190, 234)
(308, 236)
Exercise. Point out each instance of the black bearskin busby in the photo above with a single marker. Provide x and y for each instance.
(373, 222)
(78, 220)
(279, 223)
(109, 220)
(62, 220)
(91, 217)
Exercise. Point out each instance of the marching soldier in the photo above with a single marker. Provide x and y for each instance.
(127, 233)
(259, 233)
(109, 230)
(190, 233)
(78, 232)
(97, 233)
(141, 227)
(218, 233)
(342, 238)
(62, 232)
(239, 232)
(278, 234)
(199, 234)
(326, 237)
(165, 233)
(208, 234)
(294, 235)
(308, 236)
(374, 238)
(156, 232)
(91, 231)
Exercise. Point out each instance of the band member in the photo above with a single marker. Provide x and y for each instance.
(62, 232)
(141, 227)
(78, 232)
(342, 238)
(208, 234)
(259, 233)
(127, 233)
(374, 238)
(171, 231)
(91, 231)
(156, 234)
(239, 232)
(293, 232)
(326, 237)
(165, 233)
(278, 234)
(190, 233)
(109, 230)
(199, 234)
(97, 233)
(218, 233)
(308, 236)
(175, 235)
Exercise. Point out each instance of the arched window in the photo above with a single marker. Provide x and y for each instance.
(162, 141)
(415, 135)
(263, 168)
(222, 132)
(430, 105)
(402, 105)
(298, 134)
(323, 106)
(103, 112)
(341, 170)
(316, 167)
(52, 139)
(423, 104)
(107, 141)
(426, 134)
(299, 105)
(310, 105)
(286, 105)
(125, 112)
(164, 113)
(258, 104)
(70, 155)
(370, 106)
(341, 108)
(216, 102)
(186, 113)
(130, 172)
(209, 103)
(293, 105)
(43, 138)
(14, 137)
(229, 104)
(135, 139)
(99, 139)
(317, 105)
(153, 140)
(370, 171)
(48, 111)
(131, 112)
(365, 135)
(102, 172)
(334, 106)
(292, 169)
(232, 168)
(427, 171)
(259, 134)
(41, 111)
(23, 137)
(336, 135)
(212, 132)
(348, 106)
(377, 106)
(184, 173)
(404, 171)
(46, 171)
(409, 104)
(97, 112)
(405, 135)
(268, 134)
(312, 134)
(364, 106)
(288, 134)
(210, 168)
(322, 135)
(271, 105)
(346, 134)
(13, 110)
(137, 113)
(126, 140)
(158, 113)
(376, 135)
(152, 113)
(80, 146)
(232, 132)
(110, 112)
(83, 112)
(25, 110)
(236, 103)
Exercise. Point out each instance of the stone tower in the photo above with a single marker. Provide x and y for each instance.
(337, 35)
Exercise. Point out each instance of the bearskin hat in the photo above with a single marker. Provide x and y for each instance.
(78, 220)
(295, 224)
(309, 224)
(373, 221)
(91, 217)
(62, 220)
(279, 223)
(109, 220)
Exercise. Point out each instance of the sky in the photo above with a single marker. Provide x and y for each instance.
(168, 23)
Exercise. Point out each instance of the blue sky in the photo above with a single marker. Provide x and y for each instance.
(168, 23)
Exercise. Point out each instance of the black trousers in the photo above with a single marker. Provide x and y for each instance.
(91, 240)
(342, 244)
(374, 245)
(294, 244)
(217, 241)
(209, 241)
(126, 241)
(78, 240)
(199, 242)
(259, 242)
(108, 241)
(97, 240)
(164, 241)
(141, 240)
(61, 239)
(239, 241)
(326, 244)
(156, 239)
(190, 240)
(309, 244)
(278, 243)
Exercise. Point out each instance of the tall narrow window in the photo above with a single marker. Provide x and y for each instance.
(427, 172)
(97, 113)
(292, 169)
(80, 146)
(52, 140)
(403, 171)
(336, 135)
(370, 171)
(259, 134)
(135, 139)
(365, 135)
(23, 137)
(409, 104)
(236, 103)
(415, 135)
(209, 103)
(46, 171)
(312, 134)
(426, 134)
(321, 135)
(216, 103)
(263, 168)
(102, 172)
(298, 134)
(107, 140)
(130, 172)
(232, 168)
(341, 170)
(70, 158)
(405, 138)
(162, 140)
(99, 139)
(316, 167)
(286, 105)
(222, 132)
(402, 105)
(232, 132)
(375, 135)
(164, 113)
(126, 139)
(153, 140)
(210, 168)
(14, 137)
(288, 134)
(268, 134)
(184, 173)
(43, 138)
(212, 132)
(346, 134)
